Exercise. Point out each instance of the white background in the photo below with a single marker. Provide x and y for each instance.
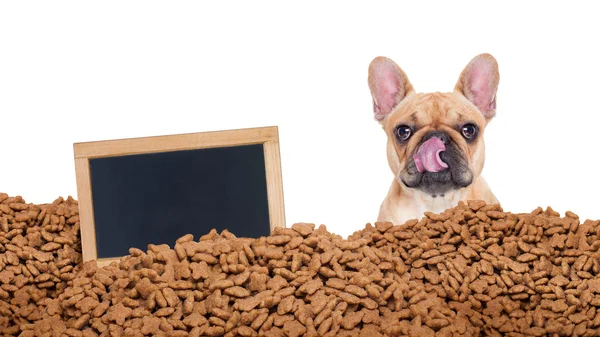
(75, 71)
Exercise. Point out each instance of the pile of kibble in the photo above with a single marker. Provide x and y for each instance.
(473, 270)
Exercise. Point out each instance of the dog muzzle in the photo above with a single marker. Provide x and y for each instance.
(427, 158)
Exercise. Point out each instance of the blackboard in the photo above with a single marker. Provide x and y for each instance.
(159, 197)
(135, 192)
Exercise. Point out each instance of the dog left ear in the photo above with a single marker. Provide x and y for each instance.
(478, 82)
(388, 84)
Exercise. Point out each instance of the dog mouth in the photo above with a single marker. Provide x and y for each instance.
(436, 168)
(427, 158)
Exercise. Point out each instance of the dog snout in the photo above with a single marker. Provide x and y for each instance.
(439, 134)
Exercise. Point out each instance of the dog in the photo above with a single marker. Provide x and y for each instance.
(435, 145)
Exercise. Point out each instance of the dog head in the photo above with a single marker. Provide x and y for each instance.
(435, 140)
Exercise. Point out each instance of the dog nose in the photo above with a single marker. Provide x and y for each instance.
(439, 134)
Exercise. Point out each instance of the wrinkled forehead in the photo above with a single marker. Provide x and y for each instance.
(435, 109)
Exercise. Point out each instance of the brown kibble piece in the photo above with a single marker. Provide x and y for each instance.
(303, 229)
(293, 329)
(118, 313)
(237, 291)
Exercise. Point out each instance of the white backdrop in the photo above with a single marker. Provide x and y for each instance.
(74, 71)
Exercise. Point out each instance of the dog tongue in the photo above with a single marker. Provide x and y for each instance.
(428, 158)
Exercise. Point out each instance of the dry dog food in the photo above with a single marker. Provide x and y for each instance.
(473, 270)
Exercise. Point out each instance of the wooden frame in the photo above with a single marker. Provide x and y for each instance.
(83, 152)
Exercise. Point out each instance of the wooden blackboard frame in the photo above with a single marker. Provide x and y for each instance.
(85, 151)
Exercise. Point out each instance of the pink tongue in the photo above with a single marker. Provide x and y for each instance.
(428, 158)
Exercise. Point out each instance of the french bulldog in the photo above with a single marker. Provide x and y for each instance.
(435, 145)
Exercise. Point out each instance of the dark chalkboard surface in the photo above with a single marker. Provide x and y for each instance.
(140, 191)
(157, 198)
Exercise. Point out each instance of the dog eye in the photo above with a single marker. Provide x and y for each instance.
(403, 132)
(469, 131)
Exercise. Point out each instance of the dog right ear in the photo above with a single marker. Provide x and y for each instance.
(388, 84)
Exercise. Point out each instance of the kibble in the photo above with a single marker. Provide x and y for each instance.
(473, 270)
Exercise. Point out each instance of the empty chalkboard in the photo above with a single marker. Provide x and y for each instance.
(135, 192)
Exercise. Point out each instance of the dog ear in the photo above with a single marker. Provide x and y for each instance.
(478, 82)
(388, 85)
